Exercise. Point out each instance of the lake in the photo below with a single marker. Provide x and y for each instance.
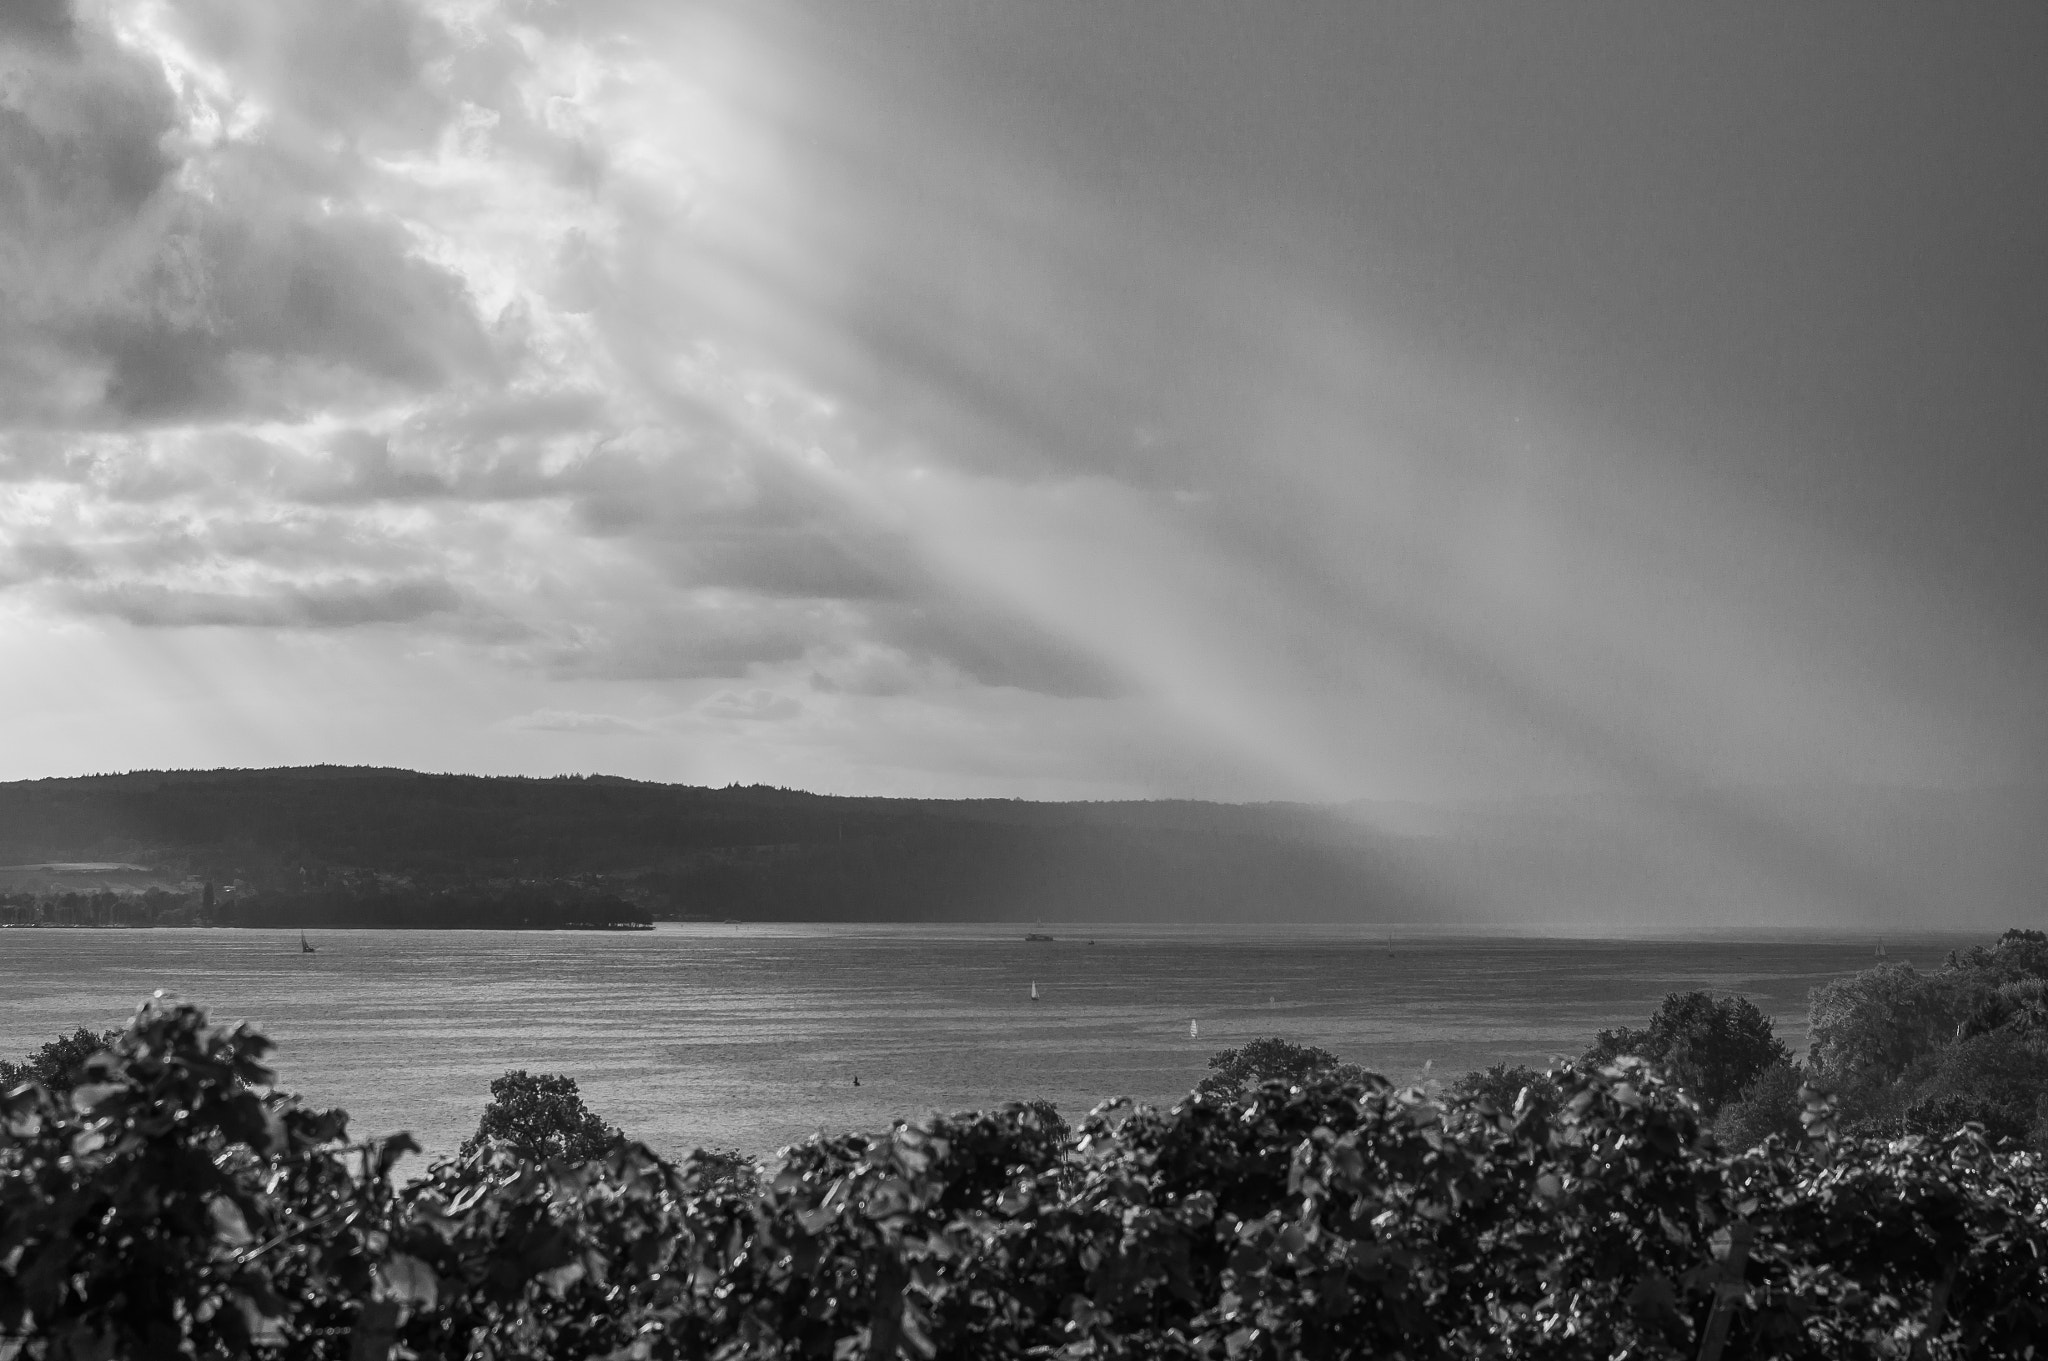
(751, 1036)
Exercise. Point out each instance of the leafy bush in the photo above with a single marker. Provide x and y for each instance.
(1870, 1027)
(730, 1166)
(166, 1206)
(175, 1205)
(2017, 956)
(1772, 1105)
(1503, 1084)
(1907, 1052)
(2020, 1006)
(1997, 1079)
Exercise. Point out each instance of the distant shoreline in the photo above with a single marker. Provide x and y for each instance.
(1401, 938)
(264, 926)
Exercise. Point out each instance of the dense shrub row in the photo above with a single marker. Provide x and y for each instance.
(1899, 1052)
(172, 1204)
(1909, 1051)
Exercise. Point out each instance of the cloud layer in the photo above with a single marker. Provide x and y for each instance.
(331, 319)
(1099, 406)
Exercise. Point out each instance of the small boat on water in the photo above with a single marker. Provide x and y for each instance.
(306, 946)
(1034, 990)
(1194, 1031)
(1037, 936)
(1881, 951)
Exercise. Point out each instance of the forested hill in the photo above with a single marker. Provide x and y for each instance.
(746, 853)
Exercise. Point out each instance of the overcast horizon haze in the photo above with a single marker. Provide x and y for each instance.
(1402, 403)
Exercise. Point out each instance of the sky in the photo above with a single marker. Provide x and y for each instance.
(1408, 403)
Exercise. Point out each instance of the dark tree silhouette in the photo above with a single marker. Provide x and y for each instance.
(56, 1065)
(730, 1168)
(1270, 1059)
(540, 1115)
(1503, 1085)
(1713, 1048)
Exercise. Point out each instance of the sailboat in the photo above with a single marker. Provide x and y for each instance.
(1881, 951)
(306, 946)
(1194, 1031)
(1034, 990)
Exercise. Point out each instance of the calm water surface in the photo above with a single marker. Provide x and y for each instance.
(752, 1036)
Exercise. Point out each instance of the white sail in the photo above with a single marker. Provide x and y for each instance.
(1034, 990)
(1194, 1031)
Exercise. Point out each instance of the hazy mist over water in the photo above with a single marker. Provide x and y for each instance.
(752, 1035)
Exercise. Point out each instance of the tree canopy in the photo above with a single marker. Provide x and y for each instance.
(541, 1115)
(1910, 1052)
(60, 1064)
(1275, 1060)
(1712, 1047)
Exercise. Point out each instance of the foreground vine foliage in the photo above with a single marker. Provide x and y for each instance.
(174, 1205)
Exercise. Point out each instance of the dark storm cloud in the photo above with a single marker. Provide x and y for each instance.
(753, 706)
(81, 156)
(81, 139)
(575, 721)
(156, 278)
(706, 643)
(44, 559)
(270, 319)
(332, 605)
(994, 647)
(37, 23)
(734, 521)
(693, 486)
(825, 561)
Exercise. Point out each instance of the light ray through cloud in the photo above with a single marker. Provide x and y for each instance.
(1166, 402)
